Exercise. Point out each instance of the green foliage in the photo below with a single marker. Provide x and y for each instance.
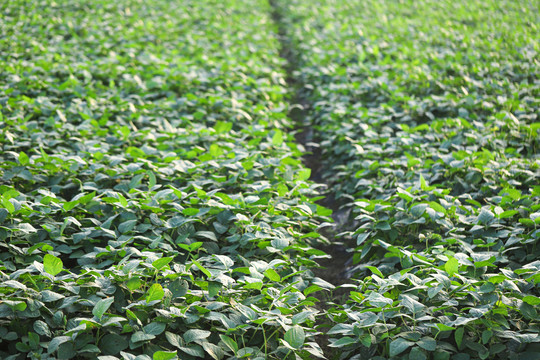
(52, 265)
(153, 205)
(424, 112)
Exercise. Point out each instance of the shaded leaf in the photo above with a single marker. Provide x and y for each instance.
(295, 336)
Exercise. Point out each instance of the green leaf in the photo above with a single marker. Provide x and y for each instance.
(366, 340)
(202, 268)
(134, 283)
(485, 216)
(223, 127)
(174, 339)
(42, 328)
(375, 270)
(480, 349)
(122, 200)
(33, 339)
(458, 336)
(312, 289)
(216, 352)
(8, 205)
(399, 345)
(272, 275)
(404, 194)
(141, 336)
(194, 350)
(343, 341)
(418, 210)
(67, 351)
(164, 355)
(195, 334)
(534, 128)
(488, 262)
(486, 288)
(190, 211)
(231, 344)
(161, 263)
(427, 343)
(253, 285)
(441, 355)
(155, 328)
(303, 174)
(22, 347)
(207, 235)
(248, 165)
(277, 139)
(112, 344)
(417, 354)
(215, 150)
(301, 317)
(213, 288)
(486, 336)
(531, 300)
(155, 292)
(20, 306)
(423, 184)
(220, 228)
(70, 205)
(102, 306)
(151, 179)
(23, 159)
(50, 296)
(412, 305)
(452, 266)
(528, 311)
(87, 198)
(378, 300)
(52, 265)
(135, 152)
(422, 127)
(295, 336)
(127, 226)
(178, 288)
(527, 222)
(56, 342)
(437, 207)
(434, 290)
(507, 214)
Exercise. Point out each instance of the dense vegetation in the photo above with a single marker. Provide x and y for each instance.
(154, 205)
(428, 111)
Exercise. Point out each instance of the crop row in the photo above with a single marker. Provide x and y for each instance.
(427, 112)
(153, 204)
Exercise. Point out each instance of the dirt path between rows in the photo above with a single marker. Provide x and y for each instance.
(333, 270)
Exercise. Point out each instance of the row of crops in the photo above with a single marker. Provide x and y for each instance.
(154, 205)
(428, 113)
